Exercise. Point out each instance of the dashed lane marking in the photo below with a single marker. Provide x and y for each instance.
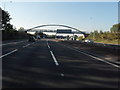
(62, 74)
(55, 60)
(8, 53)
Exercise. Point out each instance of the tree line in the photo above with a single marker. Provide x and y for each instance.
(112, 35)
(9, 32)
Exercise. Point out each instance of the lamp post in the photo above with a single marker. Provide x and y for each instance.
(92, 25)
(4, 7)
(0, 18)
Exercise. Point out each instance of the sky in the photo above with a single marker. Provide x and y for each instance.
(85, 16)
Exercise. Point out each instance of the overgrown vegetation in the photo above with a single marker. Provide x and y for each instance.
(8, 32)
(111, 36)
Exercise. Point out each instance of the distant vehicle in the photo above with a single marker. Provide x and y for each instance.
(31, 39)
(38, 37)
(89, 41)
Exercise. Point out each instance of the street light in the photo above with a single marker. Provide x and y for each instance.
(4, 7)
(92, 25)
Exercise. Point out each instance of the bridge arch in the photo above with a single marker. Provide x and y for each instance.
(56, 25)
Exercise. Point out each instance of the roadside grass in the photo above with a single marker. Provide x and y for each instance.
(108, 41)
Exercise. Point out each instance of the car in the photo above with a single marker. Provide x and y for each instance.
(38, 37)
(89, 41)
(31, 39)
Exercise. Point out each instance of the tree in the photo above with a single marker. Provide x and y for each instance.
(21, 29)
(101, 32)
(115, 28)
(111, 36)
(9, 27)
(75, 37)
(80, 38)
(6, 20)
(9, 32)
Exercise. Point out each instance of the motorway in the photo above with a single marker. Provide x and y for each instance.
(50, 64)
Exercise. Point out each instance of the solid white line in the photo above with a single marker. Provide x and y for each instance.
(54, 58)
(8, 53)
(96, 58)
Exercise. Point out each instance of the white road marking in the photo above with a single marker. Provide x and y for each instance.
(33, 43)
(26, 45)
(11, 43)
(48, 45)
(55, 60)
(62, 74)
(8, 53)
(95, 57)
(47, 42)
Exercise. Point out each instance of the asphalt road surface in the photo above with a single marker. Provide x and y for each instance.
(49, 64)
